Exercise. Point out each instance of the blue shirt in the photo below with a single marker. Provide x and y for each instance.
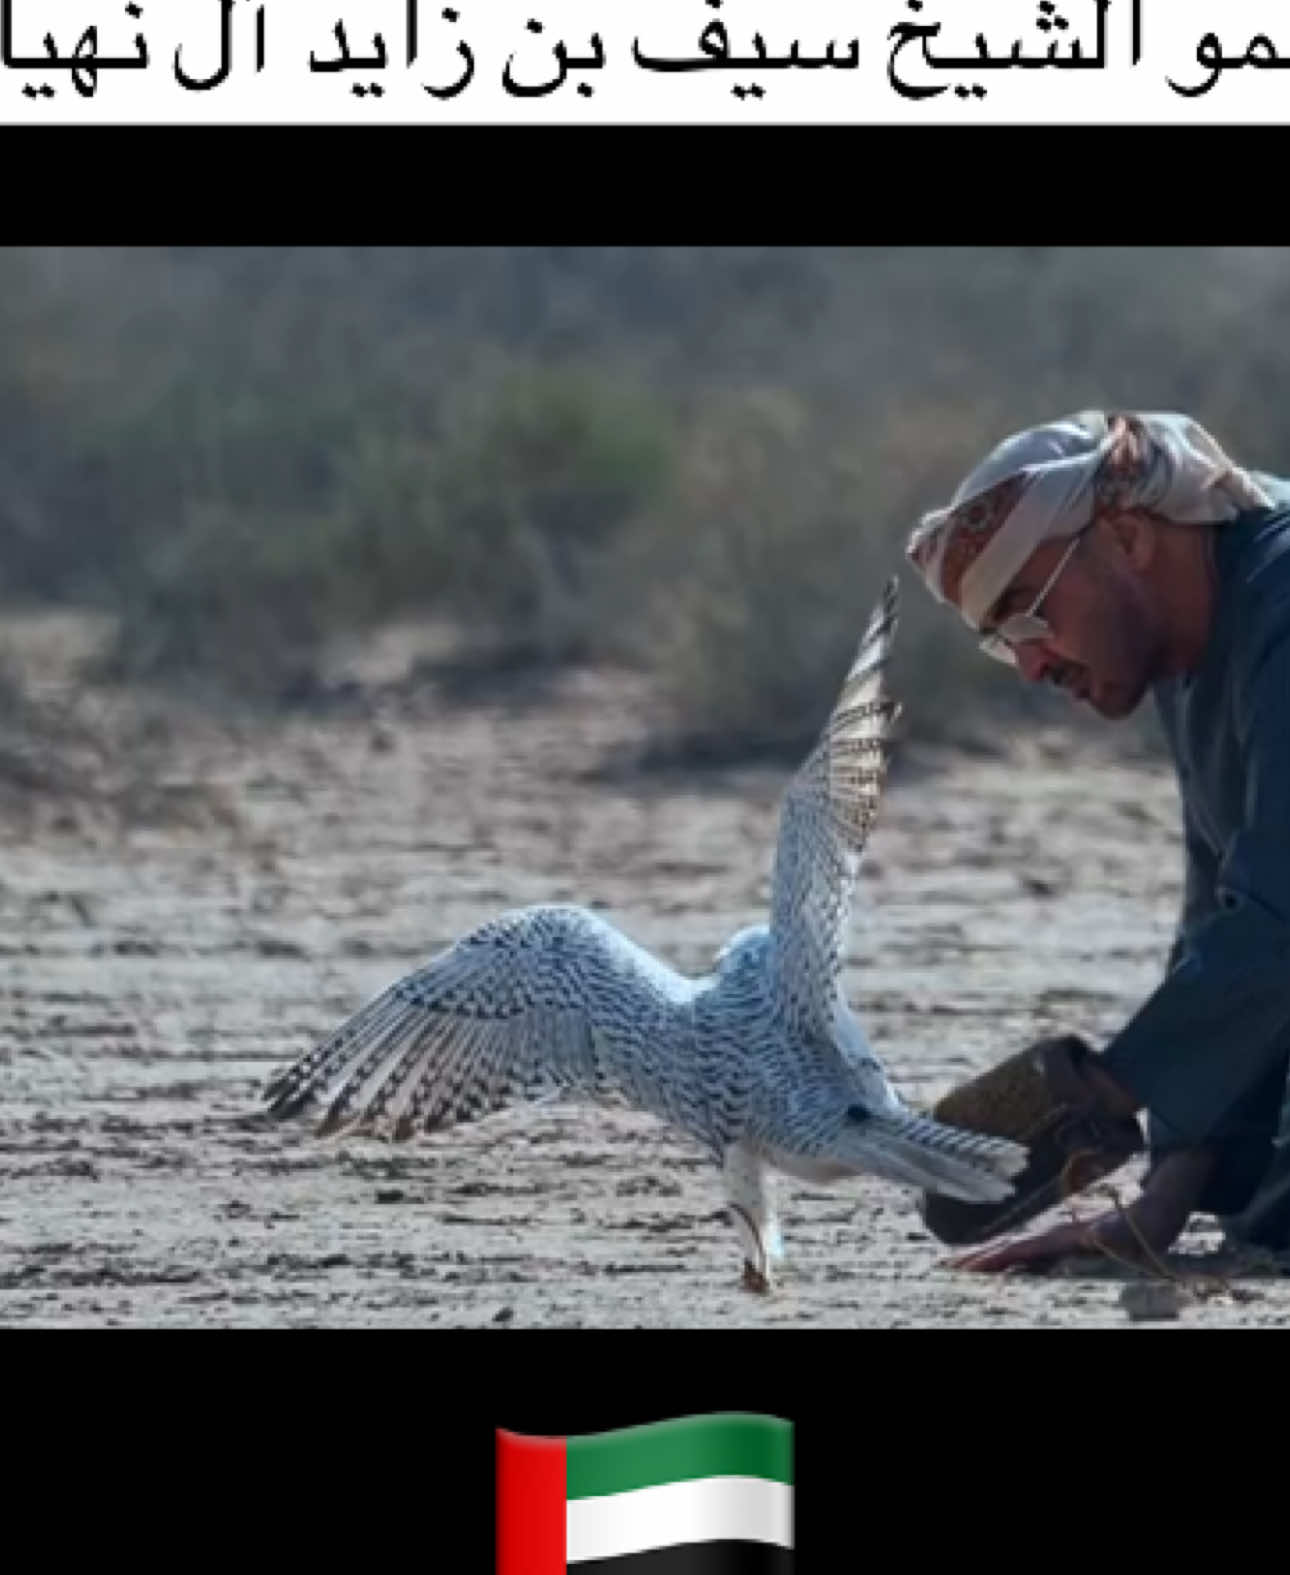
(1219, 1025)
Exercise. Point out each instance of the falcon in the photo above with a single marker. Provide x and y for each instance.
(761, 1061)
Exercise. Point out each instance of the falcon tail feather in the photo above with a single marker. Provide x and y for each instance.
(949, 1160)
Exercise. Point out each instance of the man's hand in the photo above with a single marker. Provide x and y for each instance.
(1147, 1228)
(1108, 1235)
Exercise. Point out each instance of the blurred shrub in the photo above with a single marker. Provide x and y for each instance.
(700, 460)
(533, 490)
(233, 601)
(773, 549)
(504, 522)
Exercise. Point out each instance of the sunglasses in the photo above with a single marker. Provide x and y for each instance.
(1019, 627)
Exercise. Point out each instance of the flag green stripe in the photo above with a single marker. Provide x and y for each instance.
(728, 1444)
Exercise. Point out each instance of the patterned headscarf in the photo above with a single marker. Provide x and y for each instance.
(1052, 480)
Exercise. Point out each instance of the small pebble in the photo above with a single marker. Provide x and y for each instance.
(391, 1195)
(1148, 1301)
(504, 1315)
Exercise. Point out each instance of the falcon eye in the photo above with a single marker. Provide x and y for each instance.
(857, 1113)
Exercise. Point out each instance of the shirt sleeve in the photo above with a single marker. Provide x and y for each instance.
(1219, 1022)
(1200, 880)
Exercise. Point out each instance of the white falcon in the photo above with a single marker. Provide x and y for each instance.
(761, 1061)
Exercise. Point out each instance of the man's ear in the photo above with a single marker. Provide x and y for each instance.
(1133, 537)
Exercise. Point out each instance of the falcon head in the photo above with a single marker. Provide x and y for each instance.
(743, 944)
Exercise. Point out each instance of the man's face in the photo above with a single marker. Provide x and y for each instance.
(1105, 642)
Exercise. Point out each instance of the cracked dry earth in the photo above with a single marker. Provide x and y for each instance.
(152, 978)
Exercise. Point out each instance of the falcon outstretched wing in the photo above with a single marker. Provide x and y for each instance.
(827, 812)
(539, 1000)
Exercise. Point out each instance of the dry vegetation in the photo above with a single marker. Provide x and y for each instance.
(697, 462)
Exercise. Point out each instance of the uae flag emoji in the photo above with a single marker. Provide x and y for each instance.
(696, 1495)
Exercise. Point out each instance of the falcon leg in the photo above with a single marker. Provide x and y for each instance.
(753, 1215)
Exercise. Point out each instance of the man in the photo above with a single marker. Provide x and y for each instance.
(1119, 554)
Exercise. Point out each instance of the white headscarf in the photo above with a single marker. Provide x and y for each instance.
(1050, 481)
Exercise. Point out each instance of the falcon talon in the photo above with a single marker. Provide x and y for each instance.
(755, 1280)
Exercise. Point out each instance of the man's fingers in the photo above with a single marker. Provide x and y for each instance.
(991, 1258)
(1030, 1251)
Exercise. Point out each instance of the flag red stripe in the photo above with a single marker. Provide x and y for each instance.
(530, 1505)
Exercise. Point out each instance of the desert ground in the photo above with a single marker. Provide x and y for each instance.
(165, 946)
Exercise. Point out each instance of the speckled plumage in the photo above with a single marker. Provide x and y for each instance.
(761, 1061)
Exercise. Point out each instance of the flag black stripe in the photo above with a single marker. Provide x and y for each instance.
(695, 1558)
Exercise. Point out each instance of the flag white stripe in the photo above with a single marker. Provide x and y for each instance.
(748, 1509)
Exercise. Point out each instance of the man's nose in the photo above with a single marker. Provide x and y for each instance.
(1032, 660)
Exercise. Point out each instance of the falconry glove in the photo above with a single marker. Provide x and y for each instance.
(1039, 1097)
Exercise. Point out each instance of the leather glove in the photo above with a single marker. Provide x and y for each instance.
(1041, 1098)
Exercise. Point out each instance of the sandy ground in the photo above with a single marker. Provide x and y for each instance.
(152, 976)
